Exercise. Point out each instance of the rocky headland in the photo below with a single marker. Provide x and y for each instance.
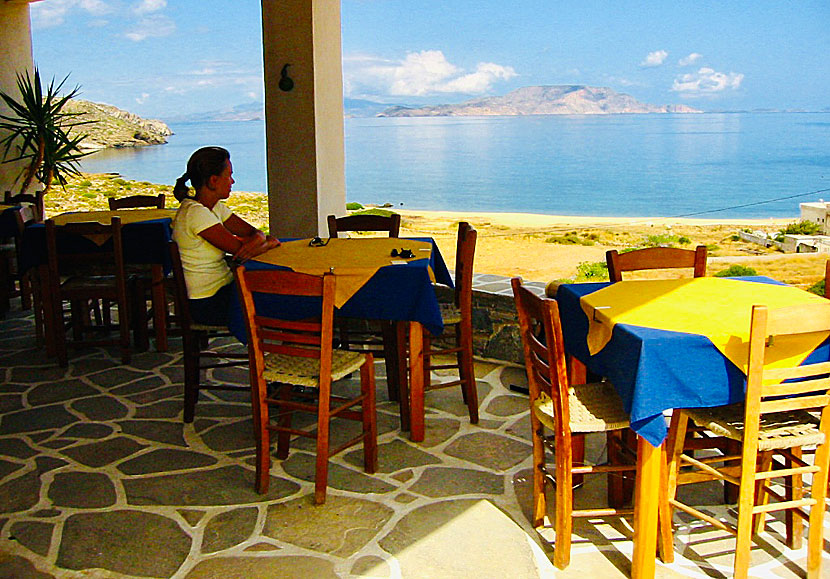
(543, 100)
(115, 128)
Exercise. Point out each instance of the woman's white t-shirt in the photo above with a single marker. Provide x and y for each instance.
(205, 268)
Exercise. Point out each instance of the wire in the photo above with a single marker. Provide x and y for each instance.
(752, 204)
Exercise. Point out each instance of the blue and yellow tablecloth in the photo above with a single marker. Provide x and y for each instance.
(673, 343)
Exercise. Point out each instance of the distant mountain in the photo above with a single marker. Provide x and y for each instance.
(543, 100)
(114, 127)
(363, 108)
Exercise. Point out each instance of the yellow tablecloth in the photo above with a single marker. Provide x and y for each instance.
(717, 308)
(4, 207)
(353, 261)
(105, 217)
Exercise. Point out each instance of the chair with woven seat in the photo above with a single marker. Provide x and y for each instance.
(378, 337)
(655, 258)
(82, 272)
(785, 409)
(16, 282)
(566, 410)
(195, 343)
(297, 360)
(137, 201)
(149, 283)
(459, 315)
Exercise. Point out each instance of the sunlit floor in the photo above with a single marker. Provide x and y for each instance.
(100, 478)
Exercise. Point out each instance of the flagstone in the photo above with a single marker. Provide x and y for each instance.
(6, 468)
(124, 541)
(302, 466)
(446, 482)
(88, 430)
(10, 402)
(226, 437)
(16, 567)
(20, 493)
(155, 431)
(228, 528)
(59, 392)
(100, 408)
(98, 454)
(162, 409)
(34, 535)
(278, 567)
(156, 395)
(21, 372)
(35, 419)
(320, 527)
(438, 431)
(16, 447)
(489, 450)
(82, 490)
(371, 566)
(508, 405)
(113, 375)
(143, 385)
(394, 456)
(165, 460)
(230, 485)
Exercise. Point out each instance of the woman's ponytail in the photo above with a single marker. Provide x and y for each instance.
(181, 189)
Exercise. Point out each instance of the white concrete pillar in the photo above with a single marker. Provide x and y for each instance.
(15, 57)
(304, 125)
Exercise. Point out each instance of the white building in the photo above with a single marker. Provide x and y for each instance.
(817, 212)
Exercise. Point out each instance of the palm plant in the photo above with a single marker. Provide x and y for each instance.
(37, 132)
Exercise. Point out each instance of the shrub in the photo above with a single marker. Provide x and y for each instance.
(801, 228)
(683, 240)
(85, 183)
(569, 239)
(353, 206)
(592, 271)
(119, 181)
(736, 271)
(817, 288)
(375, 211)
(664, 240)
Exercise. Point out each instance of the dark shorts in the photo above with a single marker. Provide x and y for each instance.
(215, 310)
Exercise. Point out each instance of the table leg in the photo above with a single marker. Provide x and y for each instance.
(399, 329)
(159, 301)
(416, 382)
(649, 463)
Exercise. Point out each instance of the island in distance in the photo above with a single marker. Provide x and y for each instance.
(543, 100)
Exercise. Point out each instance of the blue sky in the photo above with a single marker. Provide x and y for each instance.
(163, 58)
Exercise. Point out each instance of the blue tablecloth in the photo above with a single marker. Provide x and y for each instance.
(145, 242)
(656, 370)
(8, 222)
(395, 292)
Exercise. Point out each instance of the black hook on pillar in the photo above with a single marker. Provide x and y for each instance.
(285, 84)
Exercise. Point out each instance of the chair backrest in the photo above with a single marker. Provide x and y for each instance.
(391, 224)
(307, 338)
(464, 256)
(182, 304)
(36, 200)
(135, 201)
(24, 216)
(809, 384)
(827, 279)
(69, 254)
(656, 258)
(544, 351)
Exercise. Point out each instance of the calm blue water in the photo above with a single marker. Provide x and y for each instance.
(619, 165)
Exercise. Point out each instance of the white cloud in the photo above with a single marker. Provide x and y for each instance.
(154, 26)
(655, 58)
(706, 81)
(148, 6)
(143, 98)
(690, 59)
(54, 13)
(419, 74)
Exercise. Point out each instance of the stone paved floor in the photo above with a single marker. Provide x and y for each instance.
(100, 478)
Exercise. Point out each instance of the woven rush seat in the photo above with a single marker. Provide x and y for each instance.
(450, 314)
(777, 430)
(207, 328)
(306, 371)
(593, 407)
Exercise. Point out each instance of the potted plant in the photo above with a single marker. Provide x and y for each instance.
(38, 133)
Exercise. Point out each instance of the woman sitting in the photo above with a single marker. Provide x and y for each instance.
(206, 231)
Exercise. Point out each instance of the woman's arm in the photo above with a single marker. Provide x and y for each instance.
(242, 247)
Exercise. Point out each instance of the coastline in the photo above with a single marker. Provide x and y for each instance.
(539, 220)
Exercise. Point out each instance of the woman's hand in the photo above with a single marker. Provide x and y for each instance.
(254, 245)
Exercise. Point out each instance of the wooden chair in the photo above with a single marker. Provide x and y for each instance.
(827, 279)
(145, 281)
(81, 272)
(390, 224)
(195, 341)
(785, 409)
(458, 313)
(33, 199)
(297, 357)
(566, 410)
(136, 201)
(655, 258)
(381, 338)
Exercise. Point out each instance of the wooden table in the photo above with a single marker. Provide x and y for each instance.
(655, 369)
(397, 290)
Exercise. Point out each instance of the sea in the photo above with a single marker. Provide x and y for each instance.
(711, 165)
